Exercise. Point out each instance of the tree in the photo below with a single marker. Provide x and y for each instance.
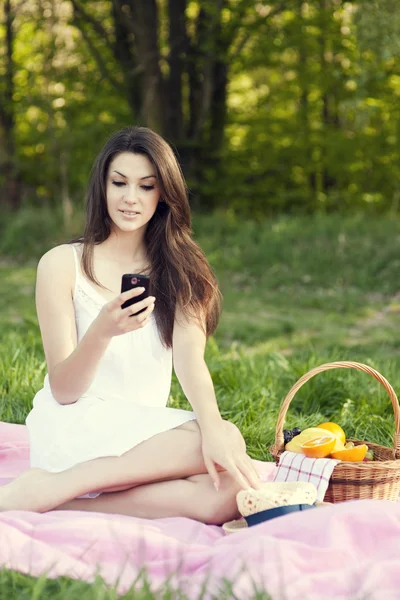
(274, 106)
(9, 178)
(175, 74)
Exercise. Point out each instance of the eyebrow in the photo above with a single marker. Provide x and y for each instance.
(122, 175)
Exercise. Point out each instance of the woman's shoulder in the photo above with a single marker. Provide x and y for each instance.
(58, 260)
(62, 253)
(56, 271)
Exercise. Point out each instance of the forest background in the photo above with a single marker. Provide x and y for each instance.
(271, 106)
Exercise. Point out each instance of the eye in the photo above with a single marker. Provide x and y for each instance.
(118, 183)
(147, 188)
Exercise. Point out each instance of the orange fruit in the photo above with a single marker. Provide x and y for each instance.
(351, 454)
(307, 434)
(335, 429)
(338, 445)
(319, 447)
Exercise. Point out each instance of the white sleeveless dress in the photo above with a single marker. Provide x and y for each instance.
(125, 404)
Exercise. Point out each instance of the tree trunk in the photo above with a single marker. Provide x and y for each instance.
(203, 57)
(145, 28)
(188, 103)
(11, 192)
(208, 76)
(178, 46)
(305, 107)
(220, 70)
(124, 52)
(326, 181)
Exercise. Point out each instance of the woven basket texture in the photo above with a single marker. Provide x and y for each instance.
(378, 479)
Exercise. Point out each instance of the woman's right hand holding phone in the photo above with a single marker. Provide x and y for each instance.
(114, 320)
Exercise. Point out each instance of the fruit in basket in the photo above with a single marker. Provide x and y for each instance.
(319, 447)
(338, 445)
(289, 434)
(349, 445)
(294, 445)
(355, 454)
(369, 456)
(335, 429)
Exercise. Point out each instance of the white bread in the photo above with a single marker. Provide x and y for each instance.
(273, 494)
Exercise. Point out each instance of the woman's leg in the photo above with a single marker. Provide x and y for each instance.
(173, 454)
(194, 497)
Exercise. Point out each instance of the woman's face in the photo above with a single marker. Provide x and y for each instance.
(131, 188)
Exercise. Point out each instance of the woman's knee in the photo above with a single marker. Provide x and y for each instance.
(191, 425)
(223, 504)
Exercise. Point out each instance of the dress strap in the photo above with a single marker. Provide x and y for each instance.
(77, 267)
(82, 288)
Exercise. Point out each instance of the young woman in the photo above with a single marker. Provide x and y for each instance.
(101, 436)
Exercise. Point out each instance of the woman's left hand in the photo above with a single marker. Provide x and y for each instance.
(223, 444)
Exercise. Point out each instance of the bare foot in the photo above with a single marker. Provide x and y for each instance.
(25, 492)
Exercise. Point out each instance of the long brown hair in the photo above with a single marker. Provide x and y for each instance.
(179, 270)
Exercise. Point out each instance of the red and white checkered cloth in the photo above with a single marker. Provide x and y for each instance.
(297, 467)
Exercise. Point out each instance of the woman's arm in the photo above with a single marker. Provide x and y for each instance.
(188, 346)
(222, 442)
(71, 366)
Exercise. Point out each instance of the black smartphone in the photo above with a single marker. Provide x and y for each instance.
(133, 280)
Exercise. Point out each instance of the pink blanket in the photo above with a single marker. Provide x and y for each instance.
(349, 550)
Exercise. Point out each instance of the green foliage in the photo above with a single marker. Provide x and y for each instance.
(312, 104)
(34, 230)
(313, 116)
(60, 114)
(378, 26)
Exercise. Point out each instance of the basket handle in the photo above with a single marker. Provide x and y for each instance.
(279, 441)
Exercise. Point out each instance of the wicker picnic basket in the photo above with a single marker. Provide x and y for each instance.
(378, 479)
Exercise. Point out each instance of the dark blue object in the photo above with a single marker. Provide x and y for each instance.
(279, 511)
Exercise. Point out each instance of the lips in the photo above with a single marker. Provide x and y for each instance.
(130, 212)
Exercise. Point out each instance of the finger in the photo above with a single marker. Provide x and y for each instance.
(132, 293)
(141, 319)
(124, 296)
(252, 467)
(144, 322)
(137, 306)
(143, 315)
(212, 472)
(245, 464)
(238, 476)
(243, 474)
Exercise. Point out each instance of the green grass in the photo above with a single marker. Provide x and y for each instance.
(15, 585)
(298, 292)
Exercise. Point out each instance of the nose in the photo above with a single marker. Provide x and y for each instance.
(131, 194)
